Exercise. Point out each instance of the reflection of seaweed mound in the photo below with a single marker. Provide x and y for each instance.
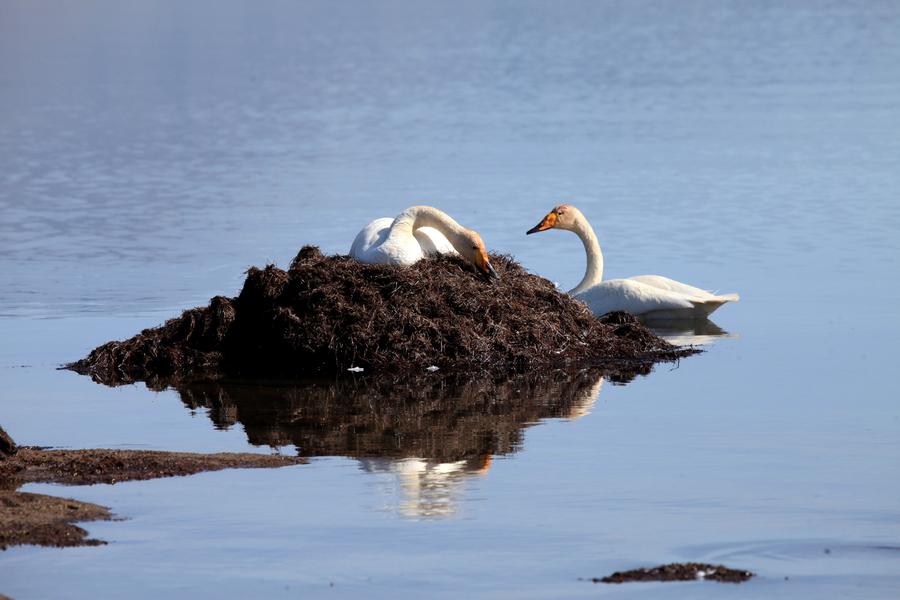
(433, 419)
(423, 440)
(327, 314)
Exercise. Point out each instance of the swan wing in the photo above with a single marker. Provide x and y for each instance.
(632, 296)
(664, 283)
(705, 301)
(433, 241)
(668, 299)
(375, 244)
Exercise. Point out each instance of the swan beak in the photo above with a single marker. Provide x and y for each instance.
(491, 273)
(546, 223)
(484, 265)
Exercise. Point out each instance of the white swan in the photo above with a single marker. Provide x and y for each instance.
(651, 296)
(415, 233)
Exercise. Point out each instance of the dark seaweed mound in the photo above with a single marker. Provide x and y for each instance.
(326, 314)
(7, 445)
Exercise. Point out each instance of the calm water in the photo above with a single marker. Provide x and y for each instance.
(152, 151)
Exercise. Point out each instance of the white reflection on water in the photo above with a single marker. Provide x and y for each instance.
(427, 489)
(434, 489)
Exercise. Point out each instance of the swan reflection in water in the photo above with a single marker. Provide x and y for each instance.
(431, 488)
(424, 440)
(688, 332)
(427, 489)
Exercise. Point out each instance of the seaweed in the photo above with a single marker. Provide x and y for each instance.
(679, 572)
(328, 314)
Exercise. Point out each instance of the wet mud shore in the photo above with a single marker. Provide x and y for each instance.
(27, 518)
(330, 314)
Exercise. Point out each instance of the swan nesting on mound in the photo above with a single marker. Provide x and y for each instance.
(415, 233)
(651, 296)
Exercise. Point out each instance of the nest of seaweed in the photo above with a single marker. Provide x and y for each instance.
(327, 314)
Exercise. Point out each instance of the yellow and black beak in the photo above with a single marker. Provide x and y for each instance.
(484, 265)
(546, 223)
(491, 273)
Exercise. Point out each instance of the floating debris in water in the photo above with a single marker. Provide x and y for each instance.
(678, 572)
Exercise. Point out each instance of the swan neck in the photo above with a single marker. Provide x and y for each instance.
(427, 216)
(593, 273)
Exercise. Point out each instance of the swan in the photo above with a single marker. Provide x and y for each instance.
(650, 296)
(415, 233)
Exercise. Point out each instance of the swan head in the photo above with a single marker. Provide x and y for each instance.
(564, 216)
(474, 251)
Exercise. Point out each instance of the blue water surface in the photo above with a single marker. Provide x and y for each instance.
(152, 151)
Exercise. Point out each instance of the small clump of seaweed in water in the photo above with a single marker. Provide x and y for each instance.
(679, 572)
(329, 314)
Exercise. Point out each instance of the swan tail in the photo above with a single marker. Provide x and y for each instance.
(370, 237)
(707, 307)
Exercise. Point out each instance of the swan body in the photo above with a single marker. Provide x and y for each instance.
(372, 244)
(650, 296)
(416, 233)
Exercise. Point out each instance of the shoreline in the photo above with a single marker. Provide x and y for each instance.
(44, 520)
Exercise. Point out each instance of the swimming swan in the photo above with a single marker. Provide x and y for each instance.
(415, 233)
(651, 296)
